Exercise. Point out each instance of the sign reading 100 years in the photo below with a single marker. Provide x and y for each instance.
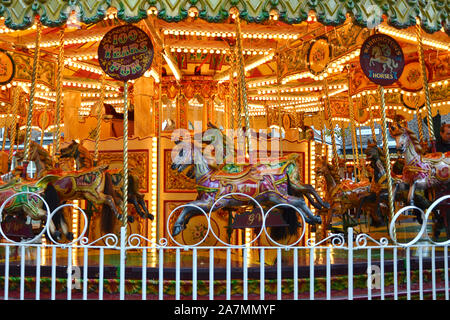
(382, 59)
(125, 53)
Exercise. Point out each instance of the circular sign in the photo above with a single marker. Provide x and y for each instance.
(7, 67)
(382, 59)
(319, 55)
(125, 53)
(411, 78)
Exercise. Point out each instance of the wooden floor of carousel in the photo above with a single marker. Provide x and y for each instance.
(338, 266)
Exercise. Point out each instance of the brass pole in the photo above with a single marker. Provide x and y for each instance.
(243, 87)
(12, 137)
(34, 74)
(99, 118)
(386, 151)
(59, 89)
(125, 156)
(352, 126)
(425, 85)
(330, 124)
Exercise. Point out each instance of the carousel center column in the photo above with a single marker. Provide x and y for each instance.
(72, 103)
(143, 102)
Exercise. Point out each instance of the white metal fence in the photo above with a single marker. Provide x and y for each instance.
(133, 267)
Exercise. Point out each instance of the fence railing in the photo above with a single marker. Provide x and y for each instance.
(341, 266)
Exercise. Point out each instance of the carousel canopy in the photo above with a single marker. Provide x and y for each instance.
(292, 50)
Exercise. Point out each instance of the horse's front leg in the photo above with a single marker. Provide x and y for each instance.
(188, 212)
(412, 190)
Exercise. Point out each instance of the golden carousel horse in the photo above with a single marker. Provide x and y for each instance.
(40, 156)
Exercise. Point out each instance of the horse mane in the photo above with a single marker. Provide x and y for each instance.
(415, 141)
(334, 172)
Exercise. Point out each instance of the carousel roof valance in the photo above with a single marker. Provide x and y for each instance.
(434, 14)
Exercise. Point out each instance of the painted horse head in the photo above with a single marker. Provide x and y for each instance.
(404, 137)
(81, 155)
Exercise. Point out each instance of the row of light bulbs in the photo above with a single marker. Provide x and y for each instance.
(285, 98)
(55, 43)
(398, 90)
(230, 34)
(301, 89)
(413, 37)
(218, 50)
(84, 67)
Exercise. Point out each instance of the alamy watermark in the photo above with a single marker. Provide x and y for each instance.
(373, 277)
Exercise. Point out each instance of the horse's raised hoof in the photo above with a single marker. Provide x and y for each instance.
(177, 229)
(151, 217)
(57, 235)
(130, 219)
(69, 236)
(327, 205)
(317, 219)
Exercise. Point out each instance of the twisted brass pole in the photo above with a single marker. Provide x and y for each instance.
(12, 138)
(32, 90)
(243, 87)
(425, 85)
(352, 125)
(125, 156)
(231, 86)
(330, 123)
(7, 124)
(59, 86)
(99, 118)
(386, 151)
(372, 126)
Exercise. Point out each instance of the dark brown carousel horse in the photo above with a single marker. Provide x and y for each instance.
(94, 185)
(29, 205)
(83, 160)
(343, 195)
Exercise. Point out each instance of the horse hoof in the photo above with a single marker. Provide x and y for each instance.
(130, 219)
(151, 217)
(57, 235)
(317, 219)
(327, 205)
(176, 230)
(69, 236)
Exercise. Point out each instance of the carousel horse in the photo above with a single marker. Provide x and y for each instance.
(297, 189)
(79, 153)
(268, 184)
(94, 185)
(33, 207)
(343, 195)
(379, 187)
(83, 160)
(39, 156)
(421, 172)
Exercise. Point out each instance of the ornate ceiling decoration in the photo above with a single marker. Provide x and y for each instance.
(434, 14)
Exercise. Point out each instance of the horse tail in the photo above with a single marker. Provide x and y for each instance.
(53, 201)
(289, 215)
(107, 214)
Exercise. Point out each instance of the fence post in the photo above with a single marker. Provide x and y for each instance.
(122, 262)
(350, 263)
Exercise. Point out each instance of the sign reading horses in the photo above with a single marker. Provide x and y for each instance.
(382, 59)
(125, 53)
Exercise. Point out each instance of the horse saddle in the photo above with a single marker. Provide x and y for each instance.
(437, 157)
(348, 185)
(231, 171)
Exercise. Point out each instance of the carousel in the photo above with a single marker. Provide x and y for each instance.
(169, 120)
